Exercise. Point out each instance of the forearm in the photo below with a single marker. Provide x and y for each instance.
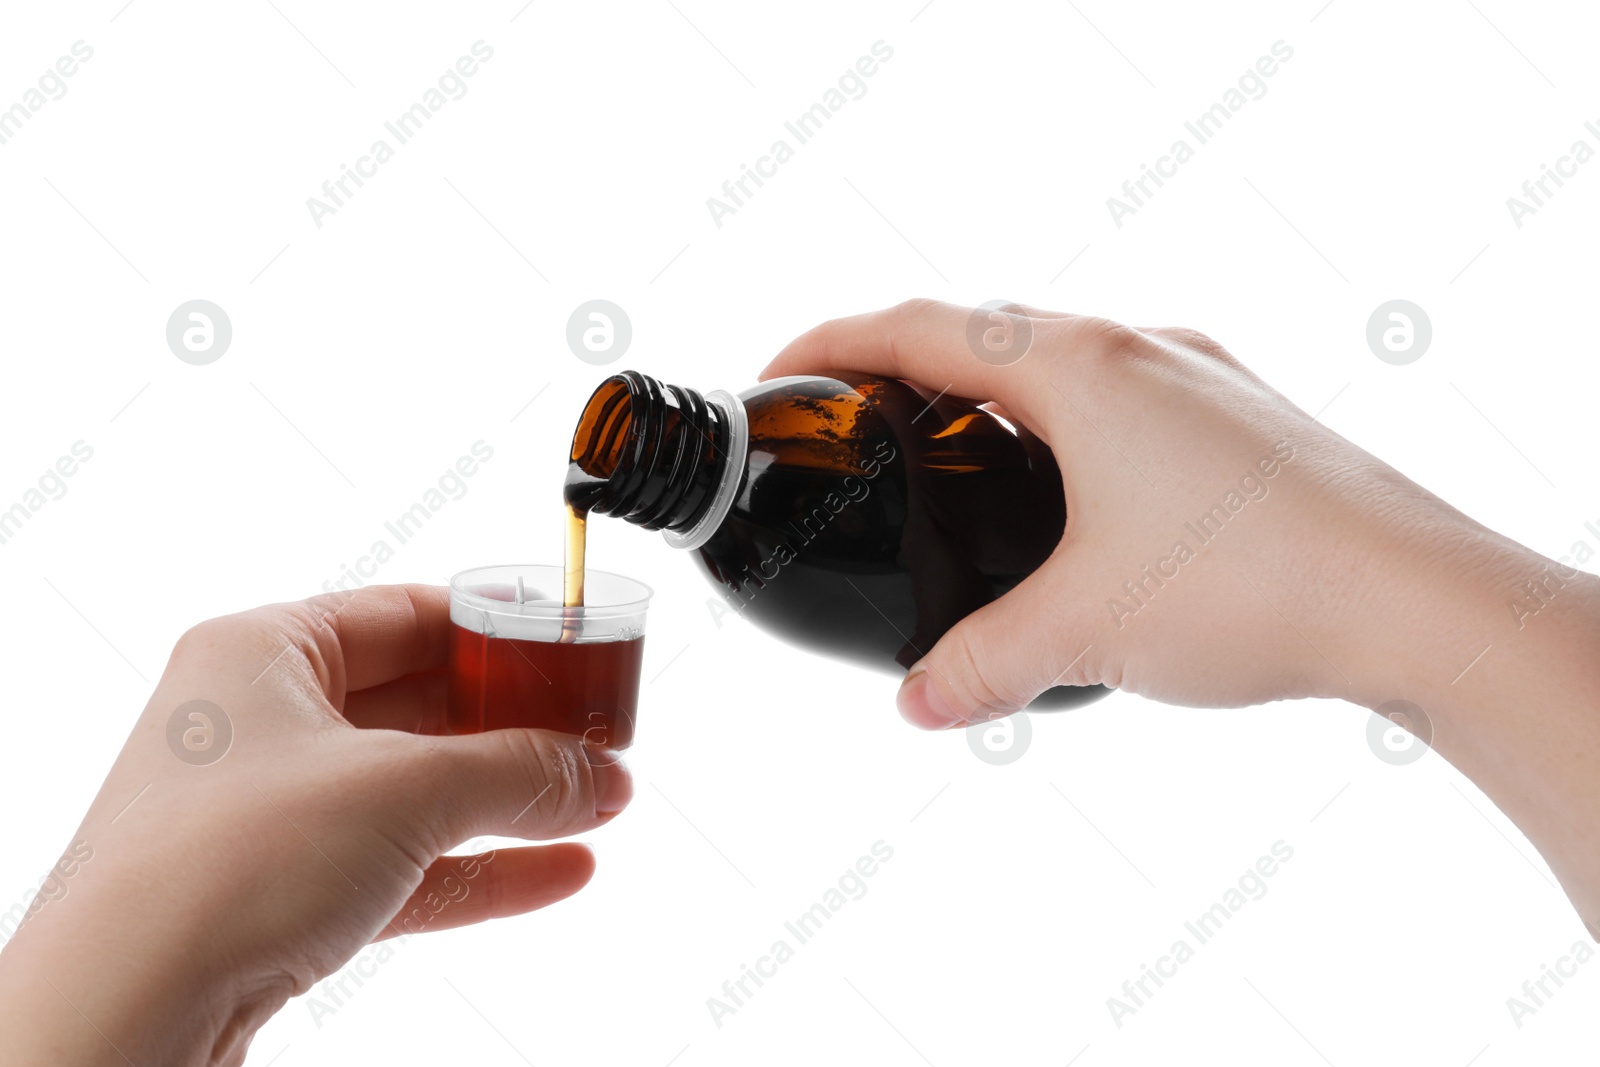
(62, 1008)
(1524, 724)
(111, 973)
(1500, 648)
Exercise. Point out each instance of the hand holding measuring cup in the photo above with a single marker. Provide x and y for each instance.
(311, 814)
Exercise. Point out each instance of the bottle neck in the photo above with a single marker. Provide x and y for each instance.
(659, 456)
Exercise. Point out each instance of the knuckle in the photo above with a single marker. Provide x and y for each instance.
(554, 773)
(1037, 314)
(981, 693)
(1112, 342)
(1082, 357)
(1090, 344)
(1190, 339)
(208, 633)
(316, 610)
(224, 634)
(198, 639)
(916, 307)
(1113, 355)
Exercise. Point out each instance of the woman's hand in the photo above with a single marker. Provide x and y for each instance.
(1224, 548)
(281, 803)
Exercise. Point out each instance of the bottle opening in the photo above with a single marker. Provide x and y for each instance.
(598, 442)
(650, 453)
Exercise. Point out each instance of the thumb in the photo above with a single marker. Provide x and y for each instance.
(998, 659)
(532, 784)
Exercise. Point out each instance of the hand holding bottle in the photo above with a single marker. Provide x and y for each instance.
(1224, 548)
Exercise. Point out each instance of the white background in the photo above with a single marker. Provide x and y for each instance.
(429, 313)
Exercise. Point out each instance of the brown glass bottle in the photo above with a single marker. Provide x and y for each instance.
(852, 516)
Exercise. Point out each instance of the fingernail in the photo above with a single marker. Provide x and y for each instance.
(613, 785)
(922, 705)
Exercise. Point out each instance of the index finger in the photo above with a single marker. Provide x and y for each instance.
(933, 344)
(381, 632)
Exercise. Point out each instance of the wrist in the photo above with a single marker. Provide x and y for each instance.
(80, 983)
(1438, 604)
